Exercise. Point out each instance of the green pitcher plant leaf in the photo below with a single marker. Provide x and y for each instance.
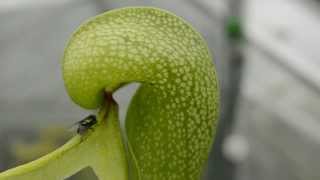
(171, 121)
(100, 148)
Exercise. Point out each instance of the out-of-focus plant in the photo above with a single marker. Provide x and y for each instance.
(171, 121)
(49, 139)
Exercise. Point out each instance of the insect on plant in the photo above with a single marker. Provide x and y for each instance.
(85, 124)
(163, 50)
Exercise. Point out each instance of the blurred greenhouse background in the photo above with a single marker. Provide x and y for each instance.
(267, 57)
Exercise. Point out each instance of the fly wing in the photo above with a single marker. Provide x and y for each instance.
(73, 127)
(84, 122)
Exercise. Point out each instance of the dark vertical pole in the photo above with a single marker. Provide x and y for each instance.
(222, 168)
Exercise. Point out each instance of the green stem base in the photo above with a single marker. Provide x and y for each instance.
(100, 148)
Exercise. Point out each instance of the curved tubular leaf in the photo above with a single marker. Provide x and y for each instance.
(101, 149)
(171, 121)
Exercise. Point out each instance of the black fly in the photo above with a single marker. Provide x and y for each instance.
(86, 124)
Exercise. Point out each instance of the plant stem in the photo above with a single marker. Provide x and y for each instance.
(100, 148)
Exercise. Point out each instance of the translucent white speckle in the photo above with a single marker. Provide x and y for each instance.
(170, 117)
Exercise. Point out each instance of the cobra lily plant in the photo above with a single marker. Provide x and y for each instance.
(171, 121)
